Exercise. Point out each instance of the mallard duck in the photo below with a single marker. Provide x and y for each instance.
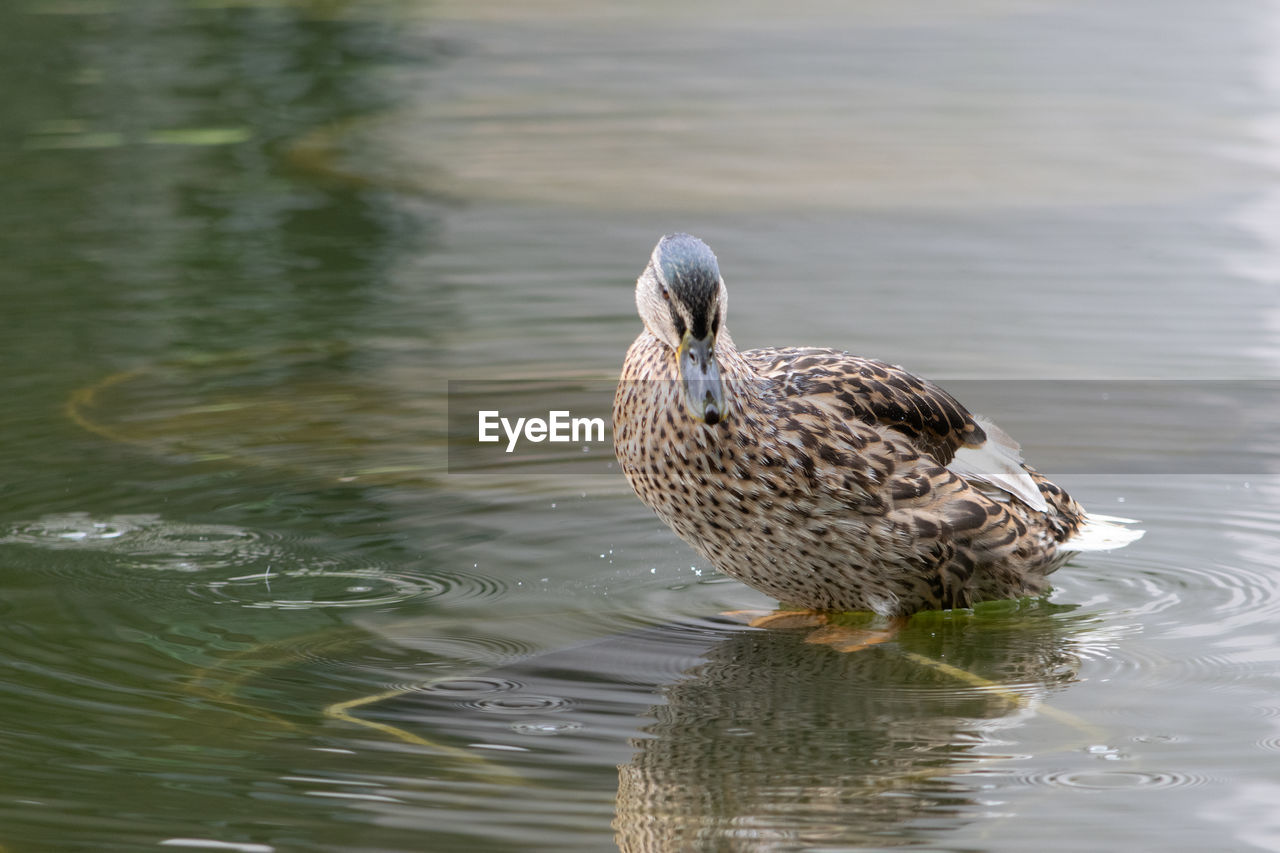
(825, 480)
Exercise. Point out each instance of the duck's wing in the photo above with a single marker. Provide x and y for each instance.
(935, 423)
(873, 392)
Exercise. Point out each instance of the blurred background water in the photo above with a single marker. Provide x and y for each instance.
(246, 245)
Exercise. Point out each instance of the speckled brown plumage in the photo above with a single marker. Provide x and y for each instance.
(821, 478)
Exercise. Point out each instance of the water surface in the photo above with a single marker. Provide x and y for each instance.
(247, 246)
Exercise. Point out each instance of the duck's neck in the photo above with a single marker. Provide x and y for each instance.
(742, 383)
(732, 364)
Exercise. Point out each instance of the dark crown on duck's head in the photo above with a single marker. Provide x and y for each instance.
(690, 276)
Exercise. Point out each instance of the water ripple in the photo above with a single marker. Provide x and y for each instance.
(1166, 619)
(1271, 744)
(1111, 780)
(477, 649)
(521, 703)
(308, 589)
(145, 541)
(471, 686)
(234, 565)
(546, 728)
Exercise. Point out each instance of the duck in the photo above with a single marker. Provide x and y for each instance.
(830, 482)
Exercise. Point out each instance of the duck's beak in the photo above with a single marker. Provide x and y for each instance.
(700, 376)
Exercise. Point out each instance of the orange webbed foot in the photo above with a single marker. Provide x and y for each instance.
(779, 619)
(844, 638)
(827, 628)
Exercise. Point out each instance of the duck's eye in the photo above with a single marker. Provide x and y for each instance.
(666, 294)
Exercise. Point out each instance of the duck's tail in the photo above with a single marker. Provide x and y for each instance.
(1103, 533)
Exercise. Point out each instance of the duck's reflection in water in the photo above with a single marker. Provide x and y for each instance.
(773, 743)
(730, 738)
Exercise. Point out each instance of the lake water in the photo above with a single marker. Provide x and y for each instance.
(252, 602)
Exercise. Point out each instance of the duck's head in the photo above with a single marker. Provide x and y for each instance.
(682, 300)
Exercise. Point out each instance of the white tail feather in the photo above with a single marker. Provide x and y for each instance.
(1103, 533)
(998, 462)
